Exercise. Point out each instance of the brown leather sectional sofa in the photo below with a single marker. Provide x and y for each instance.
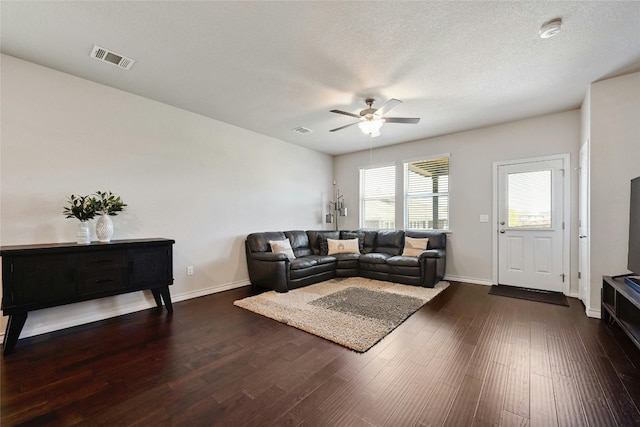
(380, 258)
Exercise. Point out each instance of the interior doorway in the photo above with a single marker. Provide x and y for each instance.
(531, 223)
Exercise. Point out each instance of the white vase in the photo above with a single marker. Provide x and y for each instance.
(83, 235)
(104, 228)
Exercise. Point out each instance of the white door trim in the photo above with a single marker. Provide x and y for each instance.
(566, 248)
(584, 244)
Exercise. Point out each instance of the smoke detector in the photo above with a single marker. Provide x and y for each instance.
(109, 56)
(550, 28)
(302, 130)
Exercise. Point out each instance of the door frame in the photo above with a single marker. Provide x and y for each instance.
(566, 241)
(584, 214)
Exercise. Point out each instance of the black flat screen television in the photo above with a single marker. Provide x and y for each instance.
(633, 262)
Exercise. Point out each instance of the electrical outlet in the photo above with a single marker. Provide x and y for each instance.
(190, 270)
(484, 218)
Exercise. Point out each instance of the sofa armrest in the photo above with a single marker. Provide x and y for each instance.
(268, 270)
(432, 266)
(268, 256)
(433, 253)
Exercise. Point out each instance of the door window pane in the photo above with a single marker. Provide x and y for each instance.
(529, 199)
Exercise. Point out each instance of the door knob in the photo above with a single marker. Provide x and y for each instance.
(501, 222)
(502, 231)
(582, 237)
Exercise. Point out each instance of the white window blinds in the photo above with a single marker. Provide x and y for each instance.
(427, 194)
(377, 197)
(529, 199)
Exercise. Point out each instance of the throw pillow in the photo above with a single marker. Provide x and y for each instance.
(324, 247)
(282, 247)
(349, 246)
(354, 235)
(414, 247)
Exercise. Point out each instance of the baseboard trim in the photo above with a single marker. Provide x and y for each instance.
(590, 312)
(469, 280)
(211, 290)
(120, 309)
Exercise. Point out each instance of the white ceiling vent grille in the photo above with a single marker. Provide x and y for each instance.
(111, 57)
(302, 130)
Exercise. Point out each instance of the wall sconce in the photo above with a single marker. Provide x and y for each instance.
(338, 207)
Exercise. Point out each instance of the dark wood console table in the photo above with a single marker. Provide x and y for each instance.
(621, 304)
(54, 274)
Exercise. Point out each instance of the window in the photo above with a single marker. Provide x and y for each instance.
(529, 199)
(426, 200)
(377, 197)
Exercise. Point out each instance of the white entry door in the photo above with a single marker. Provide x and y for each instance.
(530, 225)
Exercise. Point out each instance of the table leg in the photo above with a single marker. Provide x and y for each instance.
(12, 333)
(166, 296)
(156, 296)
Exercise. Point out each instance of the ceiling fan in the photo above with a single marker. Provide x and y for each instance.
(371, 119)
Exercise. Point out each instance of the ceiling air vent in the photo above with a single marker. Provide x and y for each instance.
(302, 130)
(111, 57)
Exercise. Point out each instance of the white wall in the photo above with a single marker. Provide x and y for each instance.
(199, 181)
(473, 153)
(207, 184)
(615, 160)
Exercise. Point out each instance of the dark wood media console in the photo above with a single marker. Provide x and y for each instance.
(55, 274)
(621, 304)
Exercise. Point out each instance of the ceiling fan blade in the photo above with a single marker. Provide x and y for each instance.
(388, 106)
(345, 126)
(345, 113)
(410, 120)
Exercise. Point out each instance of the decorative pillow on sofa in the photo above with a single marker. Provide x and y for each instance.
(359, 234)
(349, 246)
(282, 247)
(324, 247)
(414, 247)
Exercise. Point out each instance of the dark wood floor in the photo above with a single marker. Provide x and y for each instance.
(467, 358)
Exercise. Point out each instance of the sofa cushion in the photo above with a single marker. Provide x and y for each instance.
(357, 234)
(369, 241)
(374, 258)
(346, 257)
(259, 242)
(321, 259)
(316, 237)
(347, 264)
(437, 238)
(403, 270)
(349, 246)
(300, 263)
(414, 246)
(390, 241)
(282, 247)
(408, 261)
(299, 242)
(313, 274)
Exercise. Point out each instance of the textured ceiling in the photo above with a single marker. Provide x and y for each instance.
(273, 66)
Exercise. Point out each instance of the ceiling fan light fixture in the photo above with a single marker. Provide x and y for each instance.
(370, 125)
(371, 119)
(550, 28)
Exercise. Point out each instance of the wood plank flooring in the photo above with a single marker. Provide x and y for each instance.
(465, 359)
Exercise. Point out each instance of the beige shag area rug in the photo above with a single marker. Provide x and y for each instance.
(354, 312)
